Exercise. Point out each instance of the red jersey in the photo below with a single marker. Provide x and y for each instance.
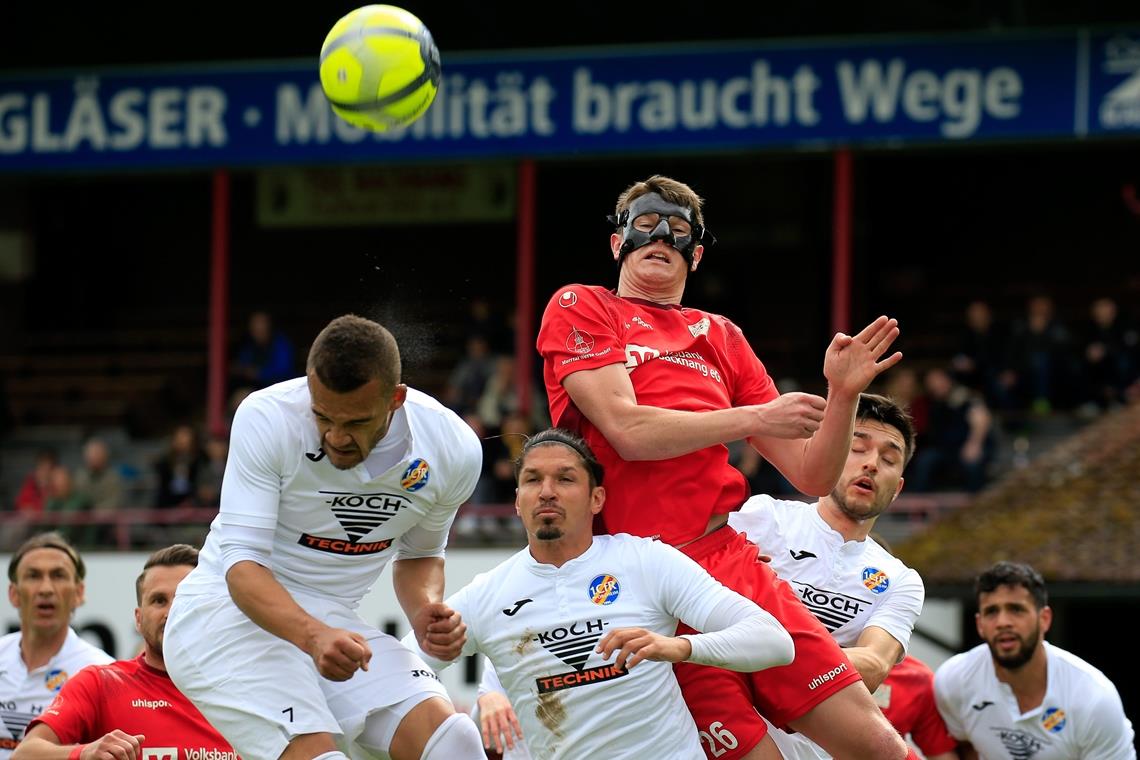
(135, 698)
(906, 697)
(677, 358)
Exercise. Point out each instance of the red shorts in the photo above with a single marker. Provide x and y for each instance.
(724, 703)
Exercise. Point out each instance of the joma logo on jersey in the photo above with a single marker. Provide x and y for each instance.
(574, 643)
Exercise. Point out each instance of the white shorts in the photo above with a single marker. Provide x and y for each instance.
(260, 691)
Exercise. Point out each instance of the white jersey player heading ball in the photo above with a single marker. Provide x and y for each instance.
(329, 477)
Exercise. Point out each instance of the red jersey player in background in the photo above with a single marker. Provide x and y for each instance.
(657, 390)
(120, 709)
(906, 697)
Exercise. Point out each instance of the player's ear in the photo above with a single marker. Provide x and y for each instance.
(399, 395)
(597, 499)
(615, 245)
(899, 489)
(518, 508)
(138, 619)
(698, 253)
(1046, 619)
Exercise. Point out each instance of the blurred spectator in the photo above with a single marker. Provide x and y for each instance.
(62, 498)
(34, 488)
(903, 387)
(1107, 358)
(958, 443)
(1038, 365)
(469, 378)
(210, 478)
(265, 355)
(981, 354)
(97, 481)
(500, 398)
(484, 321)
(179, 468)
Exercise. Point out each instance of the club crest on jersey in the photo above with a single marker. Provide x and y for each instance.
(567, 299)
(579, 341)
(700, 328)
(875, 580)
(604, 589)
(55, 679)
(416, 476)
(1053, 720)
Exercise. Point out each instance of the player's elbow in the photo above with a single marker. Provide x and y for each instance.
(810, 485)
(627, 443)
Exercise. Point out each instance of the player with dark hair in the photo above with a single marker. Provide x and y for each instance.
(580, 628)
(330, 477)
(130, 708)
(46, 585)
(1017, 695)
(658, 389)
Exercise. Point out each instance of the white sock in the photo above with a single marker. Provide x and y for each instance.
(457, 738)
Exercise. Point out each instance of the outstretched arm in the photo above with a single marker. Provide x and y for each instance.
(639, 432)
(850, 365)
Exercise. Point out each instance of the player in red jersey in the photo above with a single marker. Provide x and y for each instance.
(130, 708)
(906, 697)
(657, 390)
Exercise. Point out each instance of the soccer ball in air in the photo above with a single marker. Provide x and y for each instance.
(379, 67)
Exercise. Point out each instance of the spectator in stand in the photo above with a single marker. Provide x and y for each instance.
(501, 399)
(63, 498)
(469, 378)
(483, 320)
(1107, 358)
(905, 387)
(958, 443)
(210, 477)
(98, 482)
(981, 354)
(265, 356)
(1037, 370)
(34, 489)
(179, 468)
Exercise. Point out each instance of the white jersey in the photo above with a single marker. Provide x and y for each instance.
(335, 530)
(24, 694)
(1081, 717)
(539, 624)
(848, 585)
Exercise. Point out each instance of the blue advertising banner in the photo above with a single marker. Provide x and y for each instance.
(577, 102)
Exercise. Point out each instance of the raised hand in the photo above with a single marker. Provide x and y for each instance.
(853, 361)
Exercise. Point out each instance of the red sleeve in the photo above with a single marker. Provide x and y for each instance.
(579, 331)
(929, 731)
(751, 382)
(74, 713)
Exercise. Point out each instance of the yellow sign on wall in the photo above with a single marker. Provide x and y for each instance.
(379, 195)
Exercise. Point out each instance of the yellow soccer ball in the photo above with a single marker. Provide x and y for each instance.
(379, 67)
